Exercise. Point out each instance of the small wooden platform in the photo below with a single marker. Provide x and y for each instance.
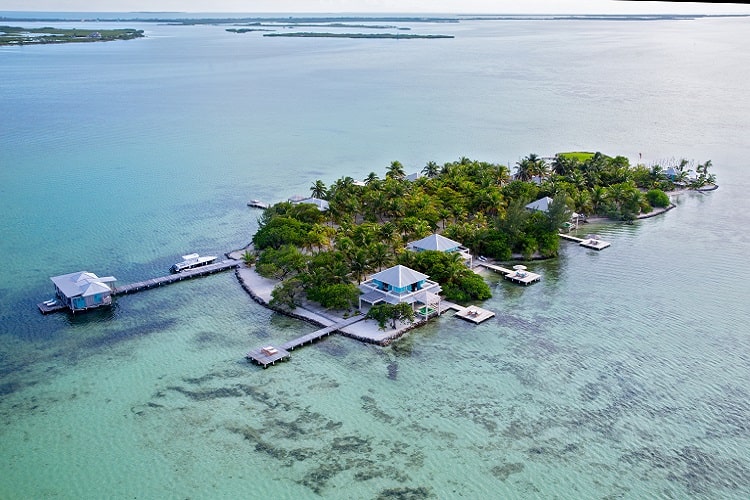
(595, 244)
(592, 243)
(475, 314)
(472, 313)
(520, 277)
(47, 309)
(268, 355)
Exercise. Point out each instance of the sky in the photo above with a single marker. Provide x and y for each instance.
(379, 6)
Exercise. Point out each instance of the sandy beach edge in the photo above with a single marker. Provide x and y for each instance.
(260, 290)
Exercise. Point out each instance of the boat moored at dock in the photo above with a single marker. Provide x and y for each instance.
(191, 261)
(257, 204)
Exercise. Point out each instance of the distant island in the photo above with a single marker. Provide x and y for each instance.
(15, 35)
(396, 36)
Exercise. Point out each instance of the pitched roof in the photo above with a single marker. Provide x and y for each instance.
(399, 276)
(435, 242)
(82, 283)
(541, 204)
(322, 205)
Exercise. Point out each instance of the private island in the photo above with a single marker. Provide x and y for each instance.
(374, 258)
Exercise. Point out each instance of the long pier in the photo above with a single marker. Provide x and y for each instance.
(224, 265)
(270, 354)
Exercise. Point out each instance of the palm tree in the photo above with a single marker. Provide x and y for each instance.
(598, 197)
(529, 167)
(387, 233)
(359, 264)
(248, 258)
(563, 165)
(431, 169)
(371, 177)
(395, 171)
(380, 255)
(523, 170)
(502, 174)
(318, 189)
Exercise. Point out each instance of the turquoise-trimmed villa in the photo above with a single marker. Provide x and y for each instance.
(399, 284)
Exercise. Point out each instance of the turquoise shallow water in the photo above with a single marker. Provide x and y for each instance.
(623, 373)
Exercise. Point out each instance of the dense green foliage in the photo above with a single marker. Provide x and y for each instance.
(459, 283)
(657, 198)
(382, 313)
(479, 204)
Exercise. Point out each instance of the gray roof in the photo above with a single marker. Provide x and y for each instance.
(435, 242)
(541, 204)
(82, 284)
(399, 276)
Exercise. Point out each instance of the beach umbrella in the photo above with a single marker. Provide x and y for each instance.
(519, 267)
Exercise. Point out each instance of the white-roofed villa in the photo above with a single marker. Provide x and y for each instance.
(400, 284)
(321, 204)
(83, 290)
(440, 243)
(542, 204)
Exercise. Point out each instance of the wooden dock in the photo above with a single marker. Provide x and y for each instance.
(46, 308)
(224, 265)
(473, 314)
(269, 355)
(593, 243)
(520, 277)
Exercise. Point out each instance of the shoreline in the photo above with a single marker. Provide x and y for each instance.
(260, 290)
(656, 211)
(367, 330)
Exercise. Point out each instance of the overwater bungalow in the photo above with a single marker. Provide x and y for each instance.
(440, 243)
(83, 290)
(399, 284)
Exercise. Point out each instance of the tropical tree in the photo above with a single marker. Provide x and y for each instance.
(598, 198)
(379, 255)
(335, 295)
(318, 190)
(249, 258)
(395, 171)
(359, 264)
(382, 313)
(524, 170)
(564, 165)
(431, 169)
(287, 293)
